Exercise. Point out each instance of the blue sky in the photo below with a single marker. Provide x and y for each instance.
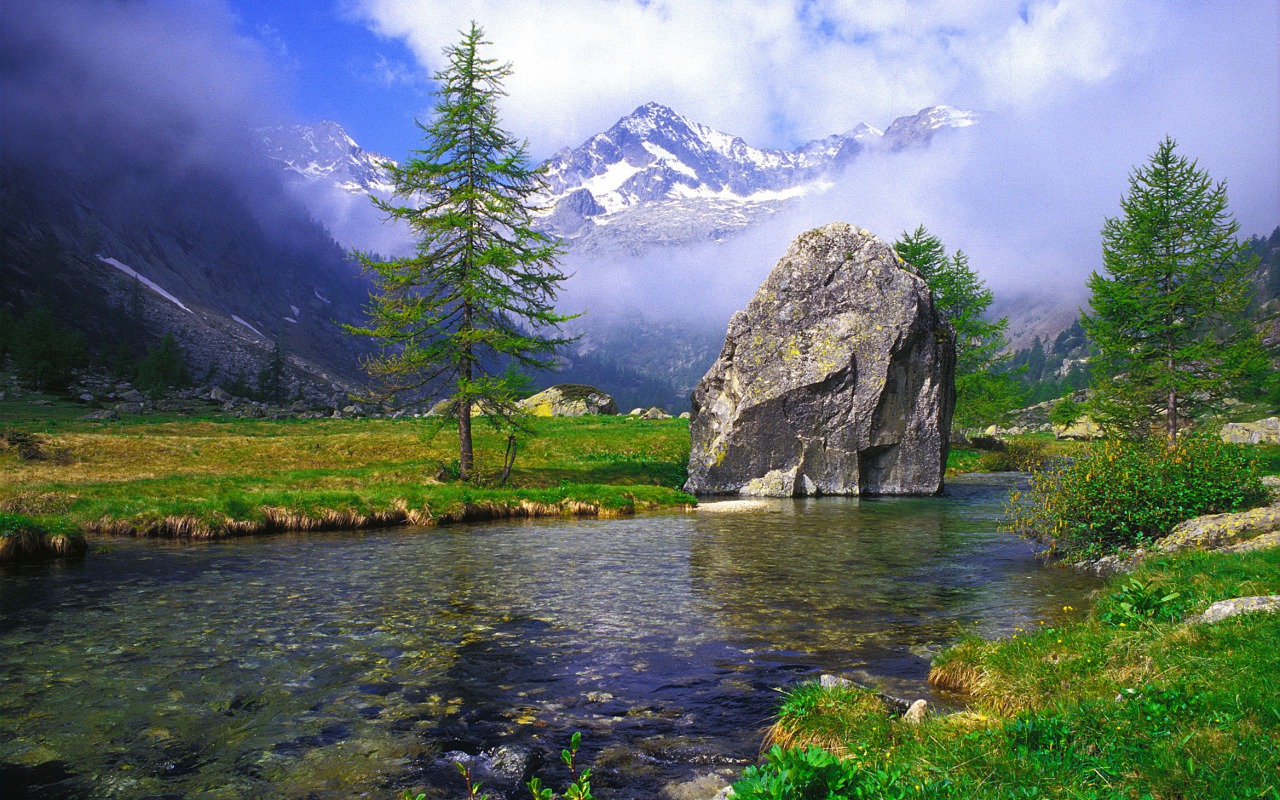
(336, 68)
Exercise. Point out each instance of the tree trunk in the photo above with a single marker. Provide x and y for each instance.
(464, 408)
(464, 440)
(1172, 412)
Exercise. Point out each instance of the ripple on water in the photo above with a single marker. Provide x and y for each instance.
(346, 663)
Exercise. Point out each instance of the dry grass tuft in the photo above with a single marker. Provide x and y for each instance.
(24, 546)
(955, 676)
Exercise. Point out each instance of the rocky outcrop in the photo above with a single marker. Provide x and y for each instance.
(836, 379)
(569, 400)
(1264, 431)
(1082, 430)
(1220, 531)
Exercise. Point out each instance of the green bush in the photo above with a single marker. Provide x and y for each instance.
(1065, 412)
(1129, 493)
(814, 774)
(1019, 455)
(1138, 602)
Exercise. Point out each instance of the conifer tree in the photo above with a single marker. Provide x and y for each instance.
(963, 299)
(475, 302)
(1168, 316)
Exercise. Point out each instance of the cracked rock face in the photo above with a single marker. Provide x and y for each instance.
(837, 378)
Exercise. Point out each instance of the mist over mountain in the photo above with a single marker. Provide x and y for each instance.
(133, 200)
(663, 221)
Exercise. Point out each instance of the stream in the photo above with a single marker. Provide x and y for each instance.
(364, 664)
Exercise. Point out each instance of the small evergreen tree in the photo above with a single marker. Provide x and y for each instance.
(1167, 317)
(45, 351)
(272, 387)
(963, 299)
(163, 367)
(478, 293)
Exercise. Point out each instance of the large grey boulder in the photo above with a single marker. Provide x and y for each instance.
(568, 400)
(1263, 431)
(837, 378)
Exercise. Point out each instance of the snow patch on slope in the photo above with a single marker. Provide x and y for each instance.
(250, 327)
(150, 284)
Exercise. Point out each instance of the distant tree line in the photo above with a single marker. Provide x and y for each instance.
(44, 350)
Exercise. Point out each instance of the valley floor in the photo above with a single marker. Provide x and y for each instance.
(213, 475)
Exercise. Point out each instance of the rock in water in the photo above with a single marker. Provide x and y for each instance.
(837, 378)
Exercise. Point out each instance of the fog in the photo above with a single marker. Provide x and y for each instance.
(129, 95)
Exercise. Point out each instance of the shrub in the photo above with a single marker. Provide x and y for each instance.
(1129, 493)
(1138, 602)
(1065, 412)
(1019, 455)
(814, 774)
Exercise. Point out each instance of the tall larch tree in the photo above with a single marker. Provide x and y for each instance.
(963, 299)
(1167, 316)
(475, 303)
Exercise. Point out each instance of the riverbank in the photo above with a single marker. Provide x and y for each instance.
(215, 475)
(1145, 695)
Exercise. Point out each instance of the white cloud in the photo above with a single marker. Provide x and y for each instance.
(774, 73)
(1078, 93)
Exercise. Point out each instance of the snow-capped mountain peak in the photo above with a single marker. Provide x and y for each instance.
(656, 157)
(325, 151)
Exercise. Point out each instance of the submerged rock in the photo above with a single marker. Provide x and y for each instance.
(836, 379)
(569, 400)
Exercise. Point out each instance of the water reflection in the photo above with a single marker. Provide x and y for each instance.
(331, 665)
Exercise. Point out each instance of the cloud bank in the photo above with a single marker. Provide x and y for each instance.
(1075, 93)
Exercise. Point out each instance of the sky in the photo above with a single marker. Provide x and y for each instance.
(1074, 93)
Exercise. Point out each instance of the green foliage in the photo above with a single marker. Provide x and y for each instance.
(579, 787)
(163, 367)
(1139, 602)
(1094, 708)
(1168, 317)
(982, 392)
(1019, 455)
(8, 326)
(45, 351)
(1065, 412)
(1129, 493)
(456, 316)
(473, 789)
(272, 386)
(812, 773)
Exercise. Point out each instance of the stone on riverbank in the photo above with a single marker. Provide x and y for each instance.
(568, 400)
(835, 379)
(1219, 531)
(1239, 605)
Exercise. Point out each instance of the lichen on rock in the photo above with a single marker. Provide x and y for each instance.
(837, 378)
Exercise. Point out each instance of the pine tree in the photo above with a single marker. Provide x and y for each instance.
(476, 299)
(963, 299)
(1167, 318)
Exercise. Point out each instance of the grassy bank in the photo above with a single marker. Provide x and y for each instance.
(213, 476)
(1115, 703)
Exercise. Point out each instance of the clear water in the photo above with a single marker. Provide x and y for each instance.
(343, 665)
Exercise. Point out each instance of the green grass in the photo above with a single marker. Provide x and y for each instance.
(1096, 705)
(214, 470)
